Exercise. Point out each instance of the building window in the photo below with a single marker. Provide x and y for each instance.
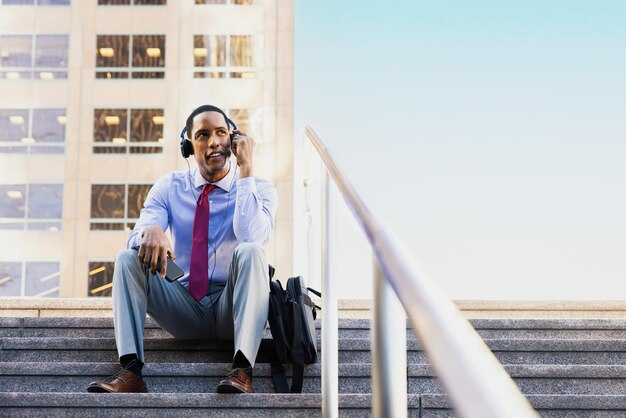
(116, 207)
(33, 56)
(31, 206)
(34, 131)
(36, 2)
(133, 2)
(124, 56)
(226, 1)
(31, 278)
(221, 56)
(135, 131)
(100, 279)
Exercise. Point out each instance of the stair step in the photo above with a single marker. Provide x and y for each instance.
(90, 405)
(553, 406)
(348, 328)
(354, 378)
(351, 350)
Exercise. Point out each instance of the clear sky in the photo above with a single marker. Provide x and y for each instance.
(490, 135)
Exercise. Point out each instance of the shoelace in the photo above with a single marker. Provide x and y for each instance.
(115, 376)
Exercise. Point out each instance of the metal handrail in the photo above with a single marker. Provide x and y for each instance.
(473, 378)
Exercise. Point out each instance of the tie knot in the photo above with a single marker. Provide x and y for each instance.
(207, 188)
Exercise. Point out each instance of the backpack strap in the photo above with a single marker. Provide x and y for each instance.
(297, 353)
(278, 375)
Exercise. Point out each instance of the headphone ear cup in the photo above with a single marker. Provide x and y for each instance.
(186, 149)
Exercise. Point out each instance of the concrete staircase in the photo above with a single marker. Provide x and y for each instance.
(566, 367)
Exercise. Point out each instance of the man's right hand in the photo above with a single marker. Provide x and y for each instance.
(154, 247)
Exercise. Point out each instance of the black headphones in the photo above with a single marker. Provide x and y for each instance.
(186, 149)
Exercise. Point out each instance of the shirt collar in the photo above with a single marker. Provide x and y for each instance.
(225, 183)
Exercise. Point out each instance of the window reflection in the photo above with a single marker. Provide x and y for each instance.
(100, 280)
(46, 133)
(51, 51)
(42, 279)
(35, 206)
(113, 53)
(38, 56)
(10, 278)
(116, 207)
(115, 133)
(234, 55)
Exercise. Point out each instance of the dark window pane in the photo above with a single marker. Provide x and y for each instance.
(136, 196)
(42, 279)
(12, 201)
(209, 50)
(109, 150)
(110, 125)
(100, 278)
(106, 226)
(10, 278)
(149, 2)
(16, 50)
(148, 74)
(13, 124)
(111, 74)
(112, 51)
(49, 125)
(212, 74)
(148, 50)
(145, 150)
(146, 125)
(45, 201)
(51, 50)
(107, 201)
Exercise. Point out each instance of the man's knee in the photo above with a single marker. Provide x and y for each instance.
(247, 251)
(126, 260)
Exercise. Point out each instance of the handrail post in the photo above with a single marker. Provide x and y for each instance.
(330, 348)
(389, 363)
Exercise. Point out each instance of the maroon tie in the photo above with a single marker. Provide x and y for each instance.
(199, 265)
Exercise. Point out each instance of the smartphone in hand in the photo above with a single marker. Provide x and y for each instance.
(173, 272)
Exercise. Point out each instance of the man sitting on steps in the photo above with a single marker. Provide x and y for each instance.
(218, 219)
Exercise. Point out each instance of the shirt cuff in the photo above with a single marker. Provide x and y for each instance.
(246, 185)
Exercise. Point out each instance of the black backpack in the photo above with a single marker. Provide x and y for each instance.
(292, 323)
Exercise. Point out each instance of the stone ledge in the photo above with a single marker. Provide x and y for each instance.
(348, 308)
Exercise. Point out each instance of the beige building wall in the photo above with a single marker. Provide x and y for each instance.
(178, 93)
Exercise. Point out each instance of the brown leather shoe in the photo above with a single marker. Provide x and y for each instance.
(238, 381)
(124, 381)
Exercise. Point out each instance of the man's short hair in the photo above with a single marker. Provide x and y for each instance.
(202, 109)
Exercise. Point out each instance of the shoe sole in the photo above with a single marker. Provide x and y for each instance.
(227, 388)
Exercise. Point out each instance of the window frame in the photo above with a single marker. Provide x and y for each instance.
(128, 145)
(33, 68)
(22, 292)
(130, 69)
(26, 220)
(125, 220)
(228, 70)
(29, 146)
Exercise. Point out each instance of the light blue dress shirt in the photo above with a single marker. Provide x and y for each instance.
(241, 210)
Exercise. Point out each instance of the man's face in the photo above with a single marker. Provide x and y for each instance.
(211, 145)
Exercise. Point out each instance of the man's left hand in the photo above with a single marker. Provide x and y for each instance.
(243, 148)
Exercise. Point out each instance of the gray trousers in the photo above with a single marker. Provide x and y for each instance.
(236, 310)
